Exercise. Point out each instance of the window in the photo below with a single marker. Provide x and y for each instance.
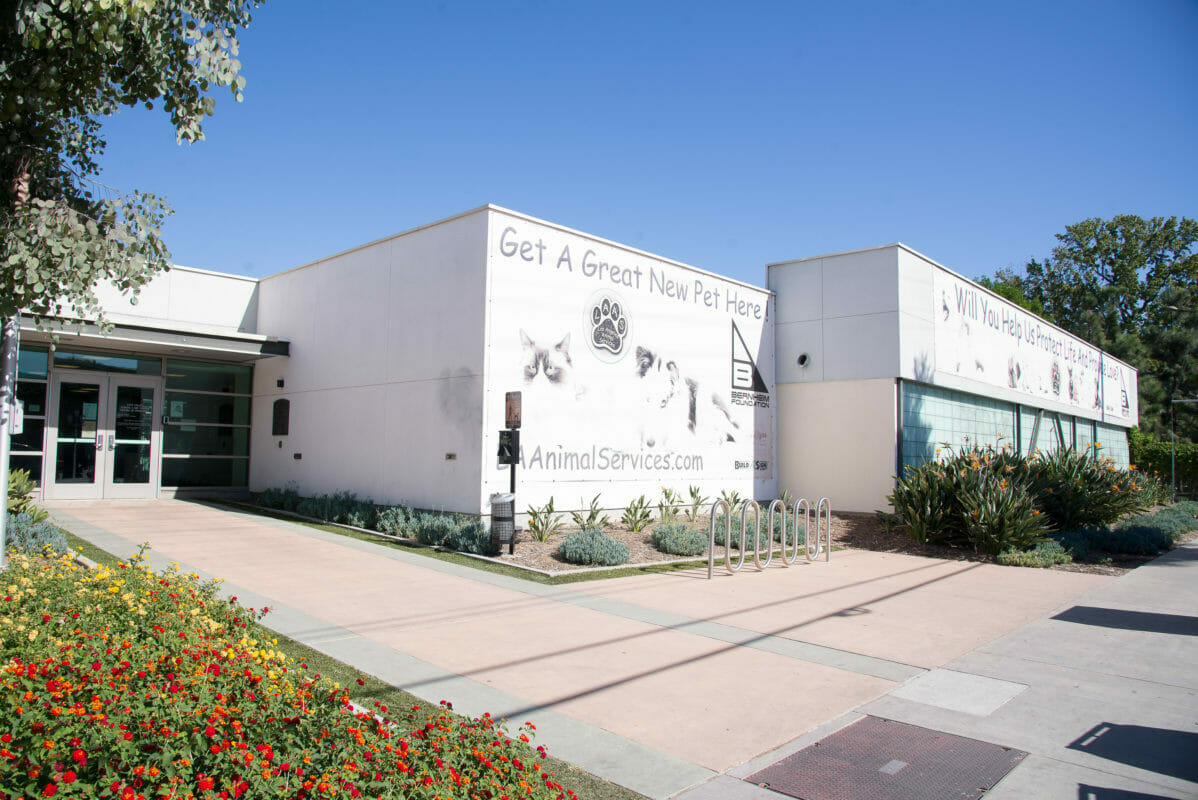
(206, 435)
(280, 418)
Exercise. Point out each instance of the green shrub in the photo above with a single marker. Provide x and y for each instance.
(284, 499)
(591, 546)
(395, 520)
(1130, 539)
(1044, 554)
(543, 522)
(993, 501)
(471, 537)
(1153, 456)
(763, 538)
(999, 515)
(1076, 542)
(637, 515)
(680, 539)
(433, 529)
(590, 517)
(1074, 488)
(20, 496)
(26, 534)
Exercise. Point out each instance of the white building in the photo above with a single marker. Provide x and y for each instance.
(383, 371)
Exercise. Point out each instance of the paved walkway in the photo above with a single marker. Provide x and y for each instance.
(673, 685)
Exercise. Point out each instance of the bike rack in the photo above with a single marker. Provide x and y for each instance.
(812, 549)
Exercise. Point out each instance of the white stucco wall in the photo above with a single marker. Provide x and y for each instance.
(842, 311)
(837, 440)
(385, 372)
(188, 299)
(544, 283)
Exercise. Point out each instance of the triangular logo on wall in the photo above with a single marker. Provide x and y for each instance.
(744, 369)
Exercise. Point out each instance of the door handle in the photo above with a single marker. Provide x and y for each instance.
(99, 441)
(111, 441)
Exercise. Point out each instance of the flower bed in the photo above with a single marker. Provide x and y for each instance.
(124, 683)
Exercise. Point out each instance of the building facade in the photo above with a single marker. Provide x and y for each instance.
(384, 371)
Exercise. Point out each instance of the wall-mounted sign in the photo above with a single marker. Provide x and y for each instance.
(984, 338)
(511, 410)
(509, 447)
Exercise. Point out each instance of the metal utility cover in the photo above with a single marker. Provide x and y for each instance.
(879, 759)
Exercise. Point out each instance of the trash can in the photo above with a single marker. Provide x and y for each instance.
(503, 521)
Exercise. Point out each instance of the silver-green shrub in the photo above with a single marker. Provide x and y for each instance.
(680, 539)
(29, 536)
(591, 546)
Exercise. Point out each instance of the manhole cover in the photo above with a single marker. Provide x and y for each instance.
(879, 759)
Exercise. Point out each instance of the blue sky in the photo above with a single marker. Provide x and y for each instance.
(724, 135)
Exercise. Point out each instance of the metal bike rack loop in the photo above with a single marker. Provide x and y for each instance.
(715, 508)
(813, 545)
(823, 523)
(769, 548)
(802, 506)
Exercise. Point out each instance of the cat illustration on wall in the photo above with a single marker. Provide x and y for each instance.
(549, 365)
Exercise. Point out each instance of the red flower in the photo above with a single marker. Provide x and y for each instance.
(205, 783)
(68, 776)
(50, 790)
(210, 731)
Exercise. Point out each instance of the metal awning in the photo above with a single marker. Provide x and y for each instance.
(229, 346)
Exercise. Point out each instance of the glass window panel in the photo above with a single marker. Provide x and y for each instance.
(131, 463)
(67, 359)
(182, 408)
(134, 414)
(33, 397)
(32, 362)
(202, 441)
(200, 376)
(187, 472)
(31, 464)
(76, 462)
(78, 405)
(30, 439)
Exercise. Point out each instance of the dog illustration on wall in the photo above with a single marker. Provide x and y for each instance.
(676, 406)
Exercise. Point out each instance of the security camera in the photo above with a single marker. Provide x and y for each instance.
(803, 357)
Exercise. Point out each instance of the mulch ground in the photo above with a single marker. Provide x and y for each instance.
(854, 531)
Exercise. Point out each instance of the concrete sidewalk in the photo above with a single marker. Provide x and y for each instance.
(665, 683)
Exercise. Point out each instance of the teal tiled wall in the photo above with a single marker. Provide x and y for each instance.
(1114, 444)
(934, 418)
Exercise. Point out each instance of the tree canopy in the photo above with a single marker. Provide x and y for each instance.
(1130, 286)
(63, 67)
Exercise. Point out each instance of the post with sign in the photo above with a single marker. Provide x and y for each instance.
(503, 507)
(509, 439)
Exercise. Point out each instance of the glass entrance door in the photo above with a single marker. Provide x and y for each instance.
(104, 436)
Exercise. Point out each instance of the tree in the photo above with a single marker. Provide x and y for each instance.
(63, 67)
(1008, 285)
(1129, 286)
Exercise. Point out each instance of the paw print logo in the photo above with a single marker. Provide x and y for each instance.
(609, 326)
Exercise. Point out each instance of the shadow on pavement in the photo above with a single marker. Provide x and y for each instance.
(1158, 750)
(1147, 621)
(1085, 792)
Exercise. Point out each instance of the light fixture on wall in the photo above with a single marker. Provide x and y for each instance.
(803, 359)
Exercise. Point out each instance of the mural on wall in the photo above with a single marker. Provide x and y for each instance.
(989, 340)
(631, 368)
